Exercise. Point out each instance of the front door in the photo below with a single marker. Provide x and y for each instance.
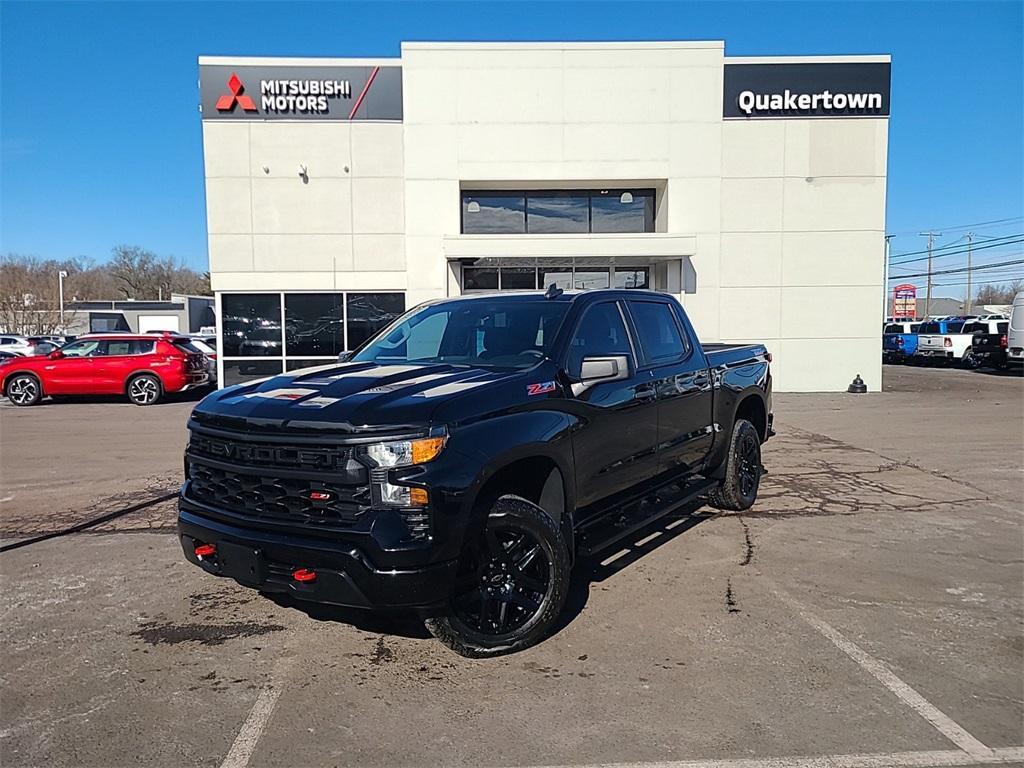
(73, 373)
(614, 447)
(683, 383)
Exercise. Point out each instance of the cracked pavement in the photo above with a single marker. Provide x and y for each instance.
(894, 517)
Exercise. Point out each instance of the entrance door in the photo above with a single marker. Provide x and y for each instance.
(616, 451)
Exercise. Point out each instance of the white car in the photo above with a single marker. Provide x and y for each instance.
(1015, 334)
(950, 339)
(18, 345)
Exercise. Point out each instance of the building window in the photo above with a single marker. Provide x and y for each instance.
(557, 212)
(493, 213)
(562, 211)
(565, 276)
(369, 313)
(263, 334)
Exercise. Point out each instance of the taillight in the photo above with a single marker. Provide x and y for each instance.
(1002, 341)
(947, 342)
(899, 341)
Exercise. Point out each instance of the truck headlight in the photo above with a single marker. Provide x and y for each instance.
(405, 453)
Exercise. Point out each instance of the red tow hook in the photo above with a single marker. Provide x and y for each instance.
(304, 575)
(205, 550)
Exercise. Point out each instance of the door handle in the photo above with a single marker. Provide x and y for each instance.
(645, 393)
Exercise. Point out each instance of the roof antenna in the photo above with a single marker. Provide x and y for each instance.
(553, 292)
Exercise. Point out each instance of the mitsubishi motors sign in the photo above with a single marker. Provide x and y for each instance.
(285, 92)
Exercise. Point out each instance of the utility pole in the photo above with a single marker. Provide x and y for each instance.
(969, 299)
(928, 294)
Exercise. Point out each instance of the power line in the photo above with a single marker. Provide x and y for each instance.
(955, 244)
(976, 224)
(1020, 239)
(960, 269)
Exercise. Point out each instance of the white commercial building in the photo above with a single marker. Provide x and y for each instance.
(343, 191)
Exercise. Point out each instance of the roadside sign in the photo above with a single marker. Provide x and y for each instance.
(904, 301)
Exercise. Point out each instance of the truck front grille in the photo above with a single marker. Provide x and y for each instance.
(283, 499)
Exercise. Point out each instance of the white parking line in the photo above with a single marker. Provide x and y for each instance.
(249, 734)
(939, 759)
(877, 669)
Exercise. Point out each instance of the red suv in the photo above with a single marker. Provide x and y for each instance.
(141, 367)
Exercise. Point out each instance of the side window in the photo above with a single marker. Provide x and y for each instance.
(600, 333)
(142, 347)
(83, 349)
(915, 327)
(656, 331)
(118, 348)
(893, 329)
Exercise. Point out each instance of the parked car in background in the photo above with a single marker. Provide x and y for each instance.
(141, 367)
(950, 340)
(990, 348)
(19, 345)
(208, 346)
(899, 341)
(1015, 333)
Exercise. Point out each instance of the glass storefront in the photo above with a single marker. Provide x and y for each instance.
(263, 334)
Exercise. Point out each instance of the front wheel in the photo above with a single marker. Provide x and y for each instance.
(519, 579)
(738, 489)
(24, 389)
(144, 389)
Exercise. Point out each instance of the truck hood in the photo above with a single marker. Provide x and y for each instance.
(357, 397)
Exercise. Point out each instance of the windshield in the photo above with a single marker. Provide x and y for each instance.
(486, 333)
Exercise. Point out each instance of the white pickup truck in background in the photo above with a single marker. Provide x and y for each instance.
(949, 339)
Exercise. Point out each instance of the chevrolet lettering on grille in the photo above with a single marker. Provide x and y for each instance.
(270, 455)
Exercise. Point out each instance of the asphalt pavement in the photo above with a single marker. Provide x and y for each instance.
(867, 612)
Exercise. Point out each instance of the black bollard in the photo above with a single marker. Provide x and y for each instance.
(857, 386)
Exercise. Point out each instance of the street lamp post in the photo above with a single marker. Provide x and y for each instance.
(60, 287)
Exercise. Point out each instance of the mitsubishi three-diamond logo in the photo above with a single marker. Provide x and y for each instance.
(226, 103)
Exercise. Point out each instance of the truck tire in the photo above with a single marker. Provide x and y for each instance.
(738, 490)
(969, 360)
(521, 573)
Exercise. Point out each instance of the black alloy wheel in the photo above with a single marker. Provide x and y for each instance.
(749, 454)
(515, 581)
(513, 576)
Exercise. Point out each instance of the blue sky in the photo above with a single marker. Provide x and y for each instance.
(101, 139)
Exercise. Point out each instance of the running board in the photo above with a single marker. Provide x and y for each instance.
(617, 525)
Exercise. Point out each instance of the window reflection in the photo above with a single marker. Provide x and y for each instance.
(630, 278)
(609, 212)
(371, 312)
(314, 324)
(493, 213)
(241, 371)
(557, 213)
(589, 280)
(251, 324)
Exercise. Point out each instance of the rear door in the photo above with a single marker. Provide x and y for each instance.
(614, 448)
(122, 358)
(678, 368)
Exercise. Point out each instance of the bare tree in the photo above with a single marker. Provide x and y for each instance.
(29, 293)
(999, 294)
(29, 302)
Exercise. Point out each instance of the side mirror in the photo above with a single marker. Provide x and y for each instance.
(598, 370)
(56, 355)
(344, 356)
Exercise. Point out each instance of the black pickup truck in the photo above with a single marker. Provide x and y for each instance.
(989, 349)
(459, 462)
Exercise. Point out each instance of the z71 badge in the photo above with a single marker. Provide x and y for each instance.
(541, 388)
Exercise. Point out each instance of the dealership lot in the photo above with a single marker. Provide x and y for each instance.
(869, 607)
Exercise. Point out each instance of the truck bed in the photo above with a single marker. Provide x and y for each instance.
(731, 355)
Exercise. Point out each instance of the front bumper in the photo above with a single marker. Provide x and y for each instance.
(267, 560)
